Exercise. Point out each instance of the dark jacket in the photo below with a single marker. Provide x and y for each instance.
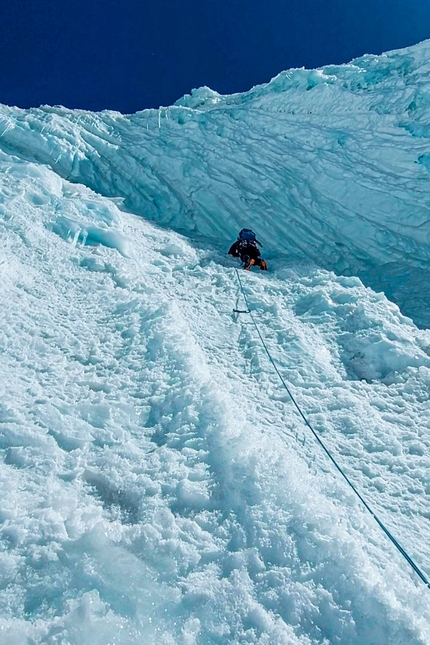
(244, 249)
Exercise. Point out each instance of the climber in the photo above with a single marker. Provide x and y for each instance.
(247, 250)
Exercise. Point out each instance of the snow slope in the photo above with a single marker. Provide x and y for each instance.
(158, 484)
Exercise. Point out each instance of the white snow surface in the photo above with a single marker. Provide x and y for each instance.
(158, 485)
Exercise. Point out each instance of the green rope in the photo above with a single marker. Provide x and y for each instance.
(391, 537)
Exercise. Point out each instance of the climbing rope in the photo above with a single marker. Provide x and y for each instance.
(390, 536)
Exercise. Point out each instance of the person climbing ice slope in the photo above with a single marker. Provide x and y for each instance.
(247, 250)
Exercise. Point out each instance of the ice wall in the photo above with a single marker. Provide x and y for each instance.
(330, 165)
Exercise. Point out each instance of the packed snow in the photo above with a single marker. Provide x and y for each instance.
(158, 484)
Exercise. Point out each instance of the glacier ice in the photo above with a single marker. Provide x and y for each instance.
(158, 485)
(339, 153)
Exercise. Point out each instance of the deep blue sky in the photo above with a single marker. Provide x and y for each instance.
(132, 54)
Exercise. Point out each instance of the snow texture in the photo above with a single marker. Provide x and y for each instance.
(158, 485)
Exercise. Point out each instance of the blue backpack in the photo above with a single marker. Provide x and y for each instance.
(246, 235)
